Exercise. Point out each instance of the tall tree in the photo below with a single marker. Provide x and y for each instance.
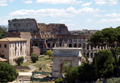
(109, 37)
(19, 60)
(2, 32)
(103, 63)
(7, 72)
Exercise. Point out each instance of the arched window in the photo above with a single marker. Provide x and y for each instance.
(36, 44)
(60, 44)
(87, 46)
(91, 55)
(53, 45)
(75, 45)
(79, 45)
(41, 46)
(48, 44)
(83, 46)
(70, 45)
(88, 55)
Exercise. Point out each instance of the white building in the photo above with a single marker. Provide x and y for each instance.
(12, 48)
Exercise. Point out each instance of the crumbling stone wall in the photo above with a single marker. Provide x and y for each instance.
(53, 28)
(35, 50)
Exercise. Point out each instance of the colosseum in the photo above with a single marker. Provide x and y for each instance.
(42, 37)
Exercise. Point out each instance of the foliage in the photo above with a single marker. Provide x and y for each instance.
(65, 66)
(19, 60)
(59, 80)
(72, 74)
(87, 73)
(2, 32)
(86, 58)
(103, 63)
(109, 37)
(7, 72)
(49, 53)
(34, 58)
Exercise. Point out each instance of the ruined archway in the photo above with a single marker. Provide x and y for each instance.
(60, 55)
(63, 66)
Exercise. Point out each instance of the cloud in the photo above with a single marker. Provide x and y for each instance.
(11, 0)
(87, 4)
(61, 21)
(113, 15)
(59, 1)
(104, 2)
(3, 3)
(117, 20)
(97, 15)
(71, 24)
(89, 20)
(69, 12)
(27, 2)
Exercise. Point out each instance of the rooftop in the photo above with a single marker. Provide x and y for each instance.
(11, 39)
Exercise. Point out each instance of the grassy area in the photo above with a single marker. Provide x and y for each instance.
(44, 60)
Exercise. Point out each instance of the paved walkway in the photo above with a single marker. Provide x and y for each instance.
(32, 68)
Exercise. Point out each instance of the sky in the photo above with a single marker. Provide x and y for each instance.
(75, 14)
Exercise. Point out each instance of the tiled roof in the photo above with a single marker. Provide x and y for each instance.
(12, 39)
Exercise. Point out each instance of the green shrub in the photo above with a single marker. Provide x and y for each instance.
(34, 58)
(19, 60)
(59, 80)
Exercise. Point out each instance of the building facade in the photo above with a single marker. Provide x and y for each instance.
(12, 48)
(46, 36)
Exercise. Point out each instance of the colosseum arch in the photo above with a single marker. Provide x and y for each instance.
(48, 44)
(75, 45)
(70, 45)
(60, 55)
(79, 45)
(83, 46)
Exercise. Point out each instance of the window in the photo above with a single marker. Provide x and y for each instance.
(5, 45)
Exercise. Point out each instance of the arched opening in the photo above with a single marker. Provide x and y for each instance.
(41, 46)
(91, 47)
(64, 66)
(95, 54)
(91, 55)
(75, 45)
(53, 45)
(70, 45)
(83, 46)
(48, 45)
(60, 44)
(79, 45)
(36, 44)
(87, 46)
(101, 47)
(88, 55)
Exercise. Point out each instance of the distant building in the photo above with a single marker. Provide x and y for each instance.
(12, 48)
(42, 37)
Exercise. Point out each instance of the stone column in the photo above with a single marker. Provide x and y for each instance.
(68, 43)
(77, 43)
(72, 42)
